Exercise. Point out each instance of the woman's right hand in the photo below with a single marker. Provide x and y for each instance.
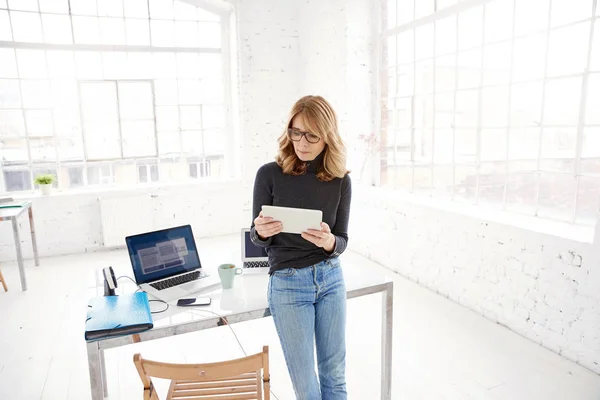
(266, 227)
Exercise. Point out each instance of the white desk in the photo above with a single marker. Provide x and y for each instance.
(245, 302)
(13, 214)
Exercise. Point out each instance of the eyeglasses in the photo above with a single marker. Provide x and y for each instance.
(296, 136)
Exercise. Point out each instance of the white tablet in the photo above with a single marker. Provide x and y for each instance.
(294, 220)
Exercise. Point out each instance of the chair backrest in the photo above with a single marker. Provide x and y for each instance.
(240, 379)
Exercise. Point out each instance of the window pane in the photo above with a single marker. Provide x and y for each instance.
(186, 34)
(498, 21)
(526, 104)
(42, 149)
(61, 64)
(86, 30)
(135, 100)
(405, 11)
(89, 65)
(190, 91)
(24, 5)
(192, 142)
(110, 8)
(423, 117)
(10, 94)
(212, 66)
(188, 65)
(169, 143)
(558, 149)
(102, 140)
(8, 66)
(469, 67)
(443, 181)
(36, 94)
(591, 143)
(495, 106)
(139, 65)
(11, 123)
(190, 117)
(492, 177)
(167, 118)
(523, 144)
(5, 30)
(70, 176)
(136, 8)
(592, 114)
(67, 121)
(465, 145)
(184, 11)
(588, 200)
(165, 65)
(470, 28)
(17, 180)
(138, 32)
(562, 101)
(444, 111)
(84, 7)
(402, 117)
(112, 31)
(443, 146)
(521, 191)
(57, 28)
(142, 174)
(496, 64)
(64, 93)
(405, 51)
(165, 92)
(568, 49)
(39, 123)
(214, 142)
(193, 170)
(565, 11)
(557, 200)
(163, 33)
(424, 8)
(14, 150)
(493, 144)
(54, 6)
(211, 91)
(161, 9)
(70, 148)
(465, 186)
(424, 42)
(595, 62)
(406, 80)
(422, 179)
(213, 116)
(529, 56)
(27, 27)
(99, 101)
(445, 35)
(32, 63)
(138, 138)
(467, 106)
(531, 16)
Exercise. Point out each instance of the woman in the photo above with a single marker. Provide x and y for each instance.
(307, 295)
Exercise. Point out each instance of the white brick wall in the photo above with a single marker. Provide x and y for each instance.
(543, 287)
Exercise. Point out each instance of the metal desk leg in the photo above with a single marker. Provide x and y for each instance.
(33, 237)
(103, 370)
(96, 371)
(386, 341)
(15, 225)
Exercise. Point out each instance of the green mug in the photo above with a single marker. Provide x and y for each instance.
(227, 272)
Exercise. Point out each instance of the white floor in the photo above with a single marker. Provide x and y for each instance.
(441, 350)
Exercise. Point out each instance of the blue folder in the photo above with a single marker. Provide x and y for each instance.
(110, 316)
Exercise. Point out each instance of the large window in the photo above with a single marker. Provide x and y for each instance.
(494, 102)
(101, 92)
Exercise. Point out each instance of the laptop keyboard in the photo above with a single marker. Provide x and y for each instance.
(178, 280)
(256, 264)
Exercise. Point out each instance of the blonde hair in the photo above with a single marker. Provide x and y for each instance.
(320, 119)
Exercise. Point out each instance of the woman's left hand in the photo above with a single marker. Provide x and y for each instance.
(321, 238)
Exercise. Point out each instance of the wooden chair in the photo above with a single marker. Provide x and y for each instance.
(238, 379)
(3, 281)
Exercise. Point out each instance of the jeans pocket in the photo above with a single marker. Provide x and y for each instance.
(282, 273)
(334, 262)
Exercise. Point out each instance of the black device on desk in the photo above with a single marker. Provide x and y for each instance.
(191, 302)
(110, 282)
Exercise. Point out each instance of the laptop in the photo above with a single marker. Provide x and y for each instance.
(166, 264)
(254, 258)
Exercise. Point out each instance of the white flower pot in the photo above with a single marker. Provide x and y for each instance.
(46, 189)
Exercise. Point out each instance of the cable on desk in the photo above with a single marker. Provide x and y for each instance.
(140, 289)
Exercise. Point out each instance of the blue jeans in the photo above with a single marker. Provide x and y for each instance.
(309, 305)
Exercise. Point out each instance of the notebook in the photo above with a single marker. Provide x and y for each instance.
(13, 204)
(110, 316)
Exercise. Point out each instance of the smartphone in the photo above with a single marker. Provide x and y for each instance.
(200, 301)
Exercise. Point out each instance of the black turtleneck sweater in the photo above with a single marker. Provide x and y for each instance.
(273, 187)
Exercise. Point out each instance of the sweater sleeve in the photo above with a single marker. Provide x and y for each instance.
(340, 229)
(263, 195)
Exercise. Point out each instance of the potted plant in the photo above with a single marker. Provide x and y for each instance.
(45, 181)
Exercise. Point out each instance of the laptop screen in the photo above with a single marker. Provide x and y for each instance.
(160, 254)
(251, 252)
